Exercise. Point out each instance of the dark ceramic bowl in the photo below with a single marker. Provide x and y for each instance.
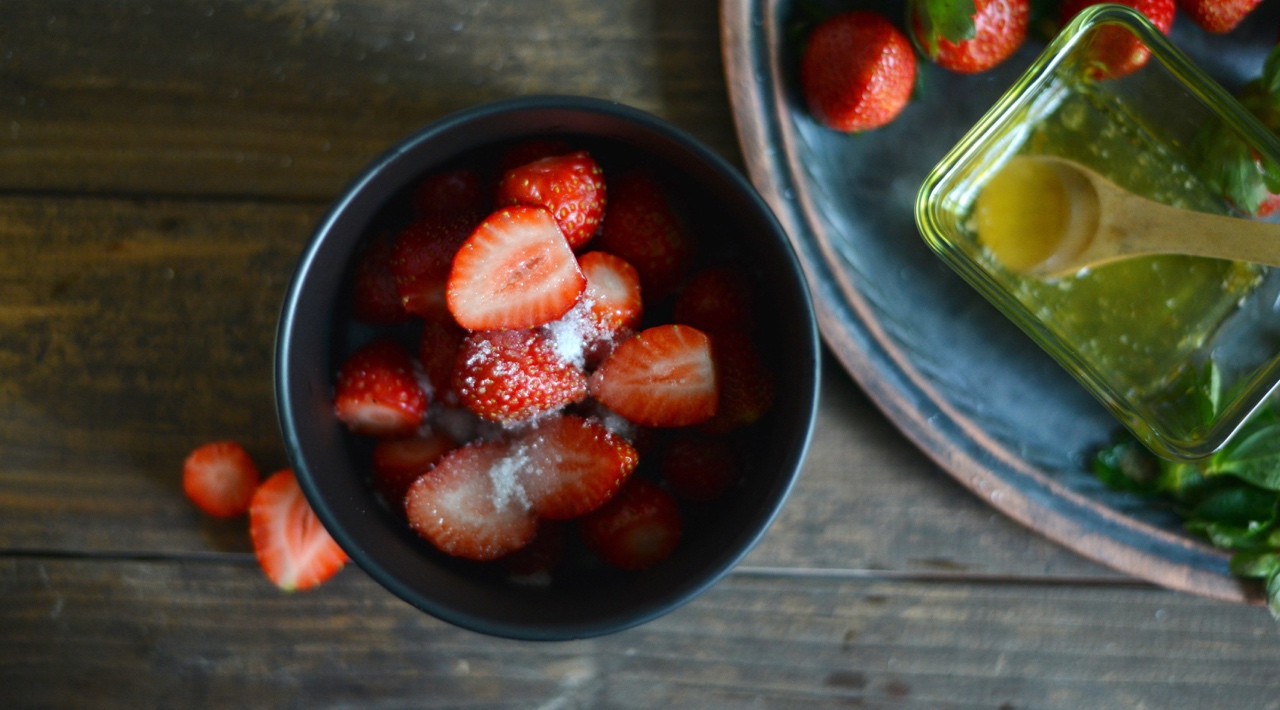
(316, 331)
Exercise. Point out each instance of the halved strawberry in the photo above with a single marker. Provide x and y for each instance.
(509, 376)
(292, 546)
(747, 386)
(574, 465)
(613, 291)
(398, 462)
(643, 227)
(716, 300)
(638, 528)
(471, 505)
(700, 468)
(374, 298)
(664, 377)
(220, 478)
(438, 345)
(449, 192)
(571, 187)
(377, 392)
(422, 258)
(515, 271)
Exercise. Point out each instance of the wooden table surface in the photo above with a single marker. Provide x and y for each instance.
(162, 164)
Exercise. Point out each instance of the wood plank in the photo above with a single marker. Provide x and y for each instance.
(84, 633)
(137, 329)
(292, 99)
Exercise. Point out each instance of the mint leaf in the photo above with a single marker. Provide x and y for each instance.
(1255, 564)
(1253, 456)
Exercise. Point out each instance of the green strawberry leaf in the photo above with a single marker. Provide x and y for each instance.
(951, 20)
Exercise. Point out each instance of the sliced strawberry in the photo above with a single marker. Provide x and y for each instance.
(377, 392)
(220, 478)
(374, 298)
(747, 386)
(574, 465)
(438, 351)
(643, 227)
(398, 462)
(571, 187)
(421, 260)
(527, 151)
(613, 291)
(471, 505)
(292, 546)
(449, 192)
(700, 468)
(716, 300)
(515, 271)
(638, 528)
(509, 376)
(663, 377)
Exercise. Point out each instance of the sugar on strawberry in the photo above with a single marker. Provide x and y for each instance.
(573, 465)
(510, 376)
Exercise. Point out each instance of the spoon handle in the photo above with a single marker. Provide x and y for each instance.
(1148, 227)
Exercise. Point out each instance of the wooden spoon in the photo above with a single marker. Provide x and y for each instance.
(1093, 221)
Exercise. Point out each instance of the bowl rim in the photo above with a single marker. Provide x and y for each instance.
(286, 363)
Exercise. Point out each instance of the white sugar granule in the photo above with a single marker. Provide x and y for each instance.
(572, 333)
(505, 476)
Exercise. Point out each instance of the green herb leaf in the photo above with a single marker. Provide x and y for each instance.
(1257, 565)
(1254, 456)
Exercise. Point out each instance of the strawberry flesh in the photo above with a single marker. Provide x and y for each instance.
(515, 271)
(220, 478)
(574, 465)
(663, 377)
(398, 462)
(638, 528)
(293, 548)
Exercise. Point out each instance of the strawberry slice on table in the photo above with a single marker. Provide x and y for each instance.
(292, 546)
(1116, 52)
(857, 71)
(638, 528)
(574, 465)
(220, 478)
(377, 391)
(422, 258)
(398, 462)
(717, 299)
(969, 36)
(471, 504)
(700, 468)
(509, 376)
(374, 298)
(515, 271)
(1217, 16)
(643, 227)
(664, 377)
(571, 187)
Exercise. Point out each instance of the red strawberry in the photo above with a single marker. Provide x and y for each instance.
(1217, 16)
(438, 351)
(747, 387)
(663, 377)
(220, 478)
(716, 300)
(398, 462)
(571, 187)
(374, 298)
(857, 71)
(1115, 51)
(638, 528)
(530, 150)
(613, 291)
(470, 504)
(643, 228)
(574, 465)
(509, 376)
(449, 192)
(541, 556)
(969, 36)
(700, 468)
(377, 392)
(422, 258)
(515, 271)
(293, 548)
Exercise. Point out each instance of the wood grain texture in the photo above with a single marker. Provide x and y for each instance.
(163, 634)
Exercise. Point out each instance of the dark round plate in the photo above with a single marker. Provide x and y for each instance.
(954, 375)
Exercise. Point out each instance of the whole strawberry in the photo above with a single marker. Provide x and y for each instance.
(969, 36)
(857, 71)
(1217, 16)
(1116, 52)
